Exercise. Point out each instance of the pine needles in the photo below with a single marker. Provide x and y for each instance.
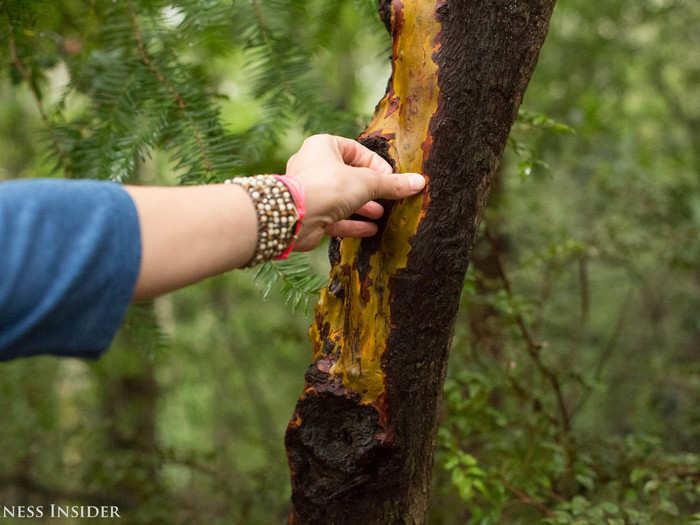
(296, 279)
(135, 63)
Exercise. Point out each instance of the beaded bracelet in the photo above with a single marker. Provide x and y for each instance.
(279, 206)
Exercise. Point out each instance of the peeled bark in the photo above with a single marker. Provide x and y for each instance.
(361, 440)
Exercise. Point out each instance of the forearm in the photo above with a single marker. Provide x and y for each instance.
(74, 254)
(191, 233)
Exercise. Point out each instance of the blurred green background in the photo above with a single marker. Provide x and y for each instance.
(574, 382)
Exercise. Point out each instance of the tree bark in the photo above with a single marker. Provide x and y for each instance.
(360, 442)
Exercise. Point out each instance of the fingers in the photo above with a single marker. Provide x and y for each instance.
(371, 210)
(392, 186)
(347, 228)
(355, 154)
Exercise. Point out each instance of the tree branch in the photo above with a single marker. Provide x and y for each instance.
(35, 92)
(29, 484)
(261, 21)
(608, 350)
(533, 347)
(168, 85)
(525, 498)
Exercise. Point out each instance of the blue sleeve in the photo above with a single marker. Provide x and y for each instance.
(70, 253)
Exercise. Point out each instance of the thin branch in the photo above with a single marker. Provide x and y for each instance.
(608, 350)
(33, 89)
(548, 279)
(220, 477)
(525, 498)
(29, 484)
(578, 332)
(509, 291)
(672, 101)
(169, 456)
(168, 85)
(525, 395)
(533, 347)
(261, 21)
(585, 292)
(612, 342)
(256, 394)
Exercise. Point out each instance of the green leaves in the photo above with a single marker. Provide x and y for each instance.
(465, 474)
(294, 278)
(520, 143)
(529, 120)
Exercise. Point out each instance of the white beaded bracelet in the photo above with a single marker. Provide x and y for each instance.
(276, 213)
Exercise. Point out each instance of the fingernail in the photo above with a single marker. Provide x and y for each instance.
(417, 182)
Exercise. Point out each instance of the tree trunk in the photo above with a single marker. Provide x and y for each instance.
(360, 442)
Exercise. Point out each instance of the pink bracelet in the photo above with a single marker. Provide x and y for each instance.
(296, 188)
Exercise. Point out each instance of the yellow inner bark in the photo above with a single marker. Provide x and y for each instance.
(360, 328)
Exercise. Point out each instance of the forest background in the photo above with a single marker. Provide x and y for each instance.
(590, 250)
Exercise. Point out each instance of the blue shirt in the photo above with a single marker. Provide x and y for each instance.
(70, 252)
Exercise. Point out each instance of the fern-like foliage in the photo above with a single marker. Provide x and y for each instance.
(136, 72)
(295, 278)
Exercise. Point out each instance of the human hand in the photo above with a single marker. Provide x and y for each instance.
(342, 177)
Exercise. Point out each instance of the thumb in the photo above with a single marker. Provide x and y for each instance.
(398, 185)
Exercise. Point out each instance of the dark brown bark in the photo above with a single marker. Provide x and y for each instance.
(361, 441)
